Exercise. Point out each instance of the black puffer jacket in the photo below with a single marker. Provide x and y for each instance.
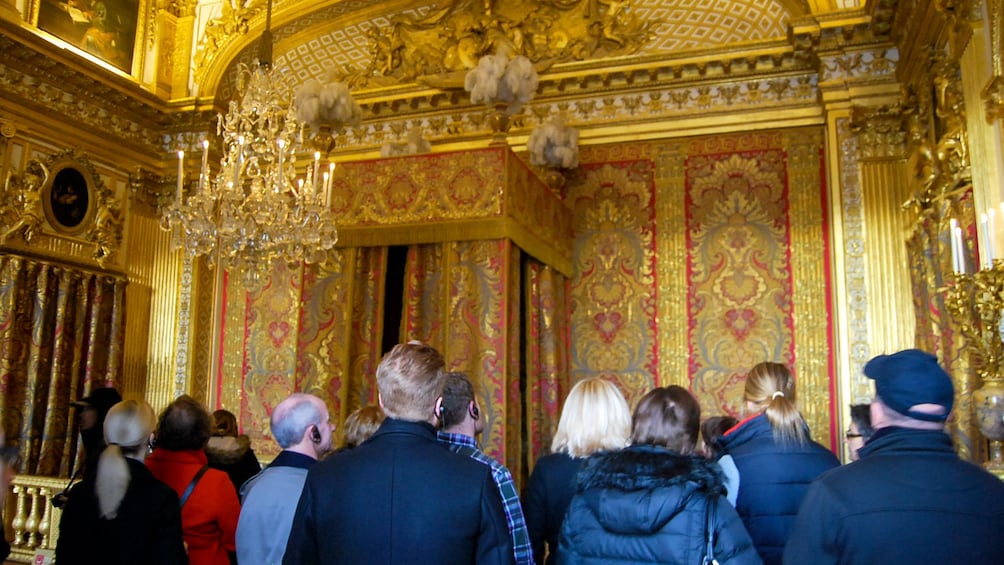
(646, 504)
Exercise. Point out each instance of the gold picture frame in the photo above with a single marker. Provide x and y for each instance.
(108, 32)
(68, 196)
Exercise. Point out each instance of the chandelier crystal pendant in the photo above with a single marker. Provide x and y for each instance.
(255, 211)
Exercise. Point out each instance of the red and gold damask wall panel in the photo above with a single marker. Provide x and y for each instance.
(269, 324)
(739, 269)
(614, 288)
(755, 224)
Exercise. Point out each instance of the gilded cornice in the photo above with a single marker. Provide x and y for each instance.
(113, 117)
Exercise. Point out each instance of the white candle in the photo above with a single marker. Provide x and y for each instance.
(317, 163)
(962, 250)
(955, 250)
(282, 146)
(982, 235)
(204, 174)
(991, 235)
(181, 173)
(331, 175)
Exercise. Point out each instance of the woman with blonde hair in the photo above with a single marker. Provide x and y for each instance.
(122, 514)
(595, 418)
(769, 459)
(361, 424)
(657, 500)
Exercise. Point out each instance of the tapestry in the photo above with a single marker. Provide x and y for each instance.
(613, 288)
(686, 256)
(738, 269)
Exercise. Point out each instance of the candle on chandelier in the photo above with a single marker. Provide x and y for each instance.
(984, 237)
(317, 163)
(330, 177)
(204, 171)
(181, 173)
(956, 256)
(991, 236)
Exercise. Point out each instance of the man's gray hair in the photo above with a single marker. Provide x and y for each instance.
(293, 416)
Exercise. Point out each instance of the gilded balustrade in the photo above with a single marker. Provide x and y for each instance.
(976, 301)
(29, 518)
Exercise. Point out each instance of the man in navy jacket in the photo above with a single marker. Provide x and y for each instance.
(401, 497)
(909, 499)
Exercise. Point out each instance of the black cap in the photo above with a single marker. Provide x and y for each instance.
(911, 377)
(101, 399)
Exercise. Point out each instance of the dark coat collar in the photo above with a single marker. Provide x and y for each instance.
(894, 440)
(646, 467)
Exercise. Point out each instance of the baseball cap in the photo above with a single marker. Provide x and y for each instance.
(101, 399)
(911, 377)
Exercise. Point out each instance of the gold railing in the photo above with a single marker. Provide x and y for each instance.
(29, 518)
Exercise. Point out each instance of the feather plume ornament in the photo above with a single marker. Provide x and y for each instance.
(554, 145)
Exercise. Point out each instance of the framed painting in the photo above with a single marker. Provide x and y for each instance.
(68, 197)
(105, 29)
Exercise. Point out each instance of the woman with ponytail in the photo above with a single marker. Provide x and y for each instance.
(122, 514)
(769, 459)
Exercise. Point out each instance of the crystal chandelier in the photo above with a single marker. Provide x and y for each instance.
(255, 211)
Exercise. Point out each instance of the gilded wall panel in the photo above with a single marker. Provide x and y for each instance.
(613, 294)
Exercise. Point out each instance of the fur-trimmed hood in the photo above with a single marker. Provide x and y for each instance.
(637, 490)
(227, 450)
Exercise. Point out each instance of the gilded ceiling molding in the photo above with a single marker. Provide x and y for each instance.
(221, 34)
(880, 132)
(32, 79)
(441, 47)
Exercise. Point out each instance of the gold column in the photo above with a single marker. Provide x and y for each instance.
(153, 305)
(984, 136)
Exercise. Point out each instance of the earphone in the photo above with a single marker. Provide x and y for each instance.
(315, 435)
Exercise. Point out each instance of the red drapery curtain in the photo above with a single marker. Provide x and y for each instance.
(61, 335)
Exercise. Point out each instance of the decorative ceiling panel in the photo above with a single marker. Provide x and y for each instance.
(703, 24)
(686, 25)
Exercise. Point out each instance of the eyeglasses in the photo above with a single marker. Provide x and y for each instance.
(852, 436)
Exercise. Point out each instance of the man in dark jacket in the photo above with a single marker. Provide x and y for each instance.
(401, 497)
(909, 499)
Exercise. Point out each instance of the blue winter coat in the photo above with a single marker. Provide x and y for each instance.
(646, 504)
(909, 500)
(773, 479)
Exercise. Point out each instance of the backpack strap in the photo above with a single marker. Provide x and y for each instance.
(191, 485)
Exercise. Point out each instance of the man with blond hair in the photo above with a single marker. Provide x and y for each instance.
(302, 426)
(401, 497)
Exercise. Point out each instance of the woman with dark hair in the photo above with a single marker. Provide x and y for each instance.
(860, 429)
(712, 430)
(122, 514)
(209, 505)
(655, 501)
(230, 451)
(769, 459)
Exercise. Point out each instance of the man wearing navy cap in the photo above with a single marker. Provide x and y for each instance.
(909, 499)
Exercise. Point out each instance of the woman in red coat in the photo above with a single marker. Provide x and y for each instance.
(209, 514)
